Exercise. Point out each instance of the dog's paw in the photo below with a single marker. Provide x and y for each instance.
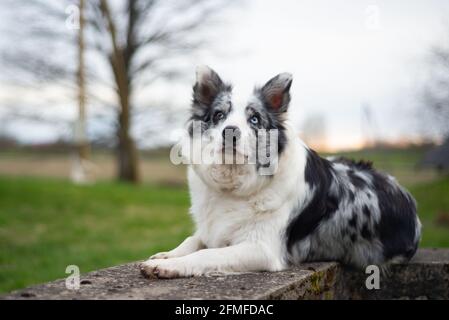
(162, 268)
(162, 255)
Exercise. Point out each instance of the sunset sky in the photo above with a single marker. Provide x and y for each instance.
(343, 55)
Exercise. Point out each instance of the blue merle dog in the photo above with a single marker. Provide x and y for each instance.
(308, 209)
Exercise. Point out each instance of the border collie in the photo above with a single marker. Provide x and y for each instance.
(254, 215)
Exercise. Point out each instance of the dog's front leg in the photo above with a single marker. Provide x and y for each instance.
(242, 257)
(189, 245)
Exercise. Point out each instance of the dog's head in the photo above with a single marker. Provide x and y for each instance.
(238, 140)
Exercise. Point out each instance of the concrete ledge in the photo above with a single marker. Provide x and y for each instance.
(425, 277)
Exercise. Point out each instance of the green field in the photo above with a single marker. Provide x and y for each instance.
(49, 223)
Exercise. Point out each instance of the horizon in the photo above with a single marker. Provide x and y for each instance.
(357, 66)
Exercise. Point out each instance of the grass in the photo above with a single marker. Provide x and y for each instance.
(433, 206)
(49, 223)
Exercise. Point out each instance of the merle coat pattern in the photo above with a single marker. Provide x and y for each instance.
(308, 209)
(354, 214)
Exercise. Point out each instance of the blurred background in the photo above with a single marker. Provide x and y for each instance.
(94, 92)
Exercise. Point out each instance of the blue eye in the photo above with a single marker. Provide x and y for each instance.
(218, 116)
(254, 120)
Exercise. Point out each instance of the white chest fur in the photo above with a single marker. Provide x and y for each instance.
(224, 219)
(259, 211)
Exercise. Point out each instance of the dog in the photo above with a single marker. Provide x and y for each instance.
(304, 208)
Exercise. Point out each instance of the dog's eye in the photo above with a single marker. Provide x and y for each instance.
(218, 116)
(254, 120)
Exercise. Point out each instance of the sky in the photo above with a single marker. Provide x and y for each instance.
(343, 55)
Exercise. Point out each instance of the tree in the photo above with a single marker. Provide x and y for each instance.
(139, 41)
(436, 93)
(81, 140)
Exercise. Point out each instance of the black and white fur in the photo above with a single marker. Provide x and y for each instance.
(310, 209)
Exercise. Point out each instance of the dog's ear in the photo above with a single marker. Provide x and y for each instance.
(208, 85)
(276, 92)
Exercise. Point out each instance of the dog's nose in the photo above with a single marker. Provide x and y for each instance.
(231, 133)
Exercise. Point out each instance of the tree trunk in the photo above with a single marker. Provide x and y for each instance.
(80, 171)
(81, 136)
(127, 157)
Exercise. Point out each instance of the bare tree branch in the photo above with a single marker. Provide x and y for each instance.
(136, 39)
